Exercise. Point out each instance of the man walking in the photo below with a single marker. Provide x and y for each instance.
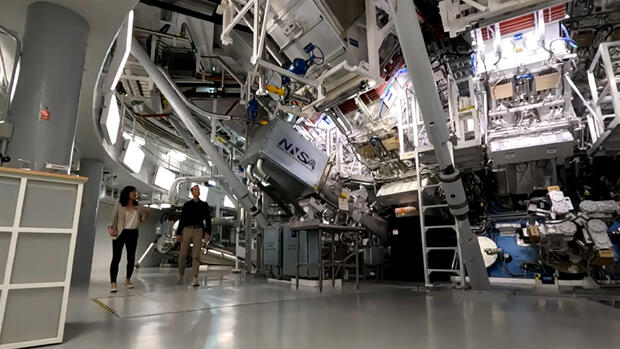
(194, 225)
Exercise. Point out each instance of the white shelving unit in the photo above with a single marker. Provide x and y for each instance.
(39, 214)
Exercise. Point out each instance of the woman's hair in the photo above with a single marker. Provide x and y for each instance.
(124, 199)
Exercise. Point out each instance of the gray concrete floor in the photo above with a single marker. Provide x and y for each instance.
(228, 312)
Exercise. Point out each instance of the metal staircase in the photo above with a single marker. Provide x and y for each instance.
(441, 253)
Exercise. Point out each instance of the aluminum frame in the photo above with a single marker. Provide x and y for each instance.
(610, 94)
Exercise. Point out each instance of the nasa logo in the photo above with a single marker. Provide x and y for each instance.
(297, 153)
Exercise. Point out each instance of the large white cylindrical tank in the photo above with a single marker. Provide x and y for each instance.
(44, 109)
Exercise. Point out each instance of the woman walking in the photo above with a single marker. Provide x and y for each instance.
(126, 218)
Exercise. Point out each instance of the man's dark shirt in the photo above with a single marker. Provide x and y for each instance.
(195, 214)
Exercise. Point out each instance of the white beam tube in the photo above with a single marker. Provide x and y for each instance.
(245, 198)
(435, 120)
(261, 42)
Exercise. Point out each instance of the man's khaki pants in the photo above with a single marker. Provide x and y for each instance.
(190, 236)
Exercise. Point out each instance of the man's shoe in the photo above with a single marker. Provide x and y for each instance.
(195, 282)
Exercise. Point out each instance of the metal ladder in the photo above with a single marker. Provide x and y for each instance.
(456, 266)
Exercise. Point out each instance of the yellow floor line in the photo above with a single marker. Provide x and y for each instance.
(105, 307)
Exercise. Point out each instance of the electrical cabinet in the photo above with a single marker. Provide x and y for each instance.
(308, 252)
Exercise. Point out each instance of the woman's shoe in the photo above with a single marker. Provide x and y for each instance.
(113, 288)
(129, 285)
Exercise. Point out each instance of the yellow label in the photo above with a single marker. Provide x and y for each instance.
(468, 108)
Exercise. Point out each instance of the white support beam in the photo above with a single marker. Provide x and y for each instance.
(225, 36)
(418, 65)
(235, 185)
(263, 32)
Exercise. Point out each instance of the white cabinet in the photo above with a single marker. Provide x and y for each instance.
(39, 215)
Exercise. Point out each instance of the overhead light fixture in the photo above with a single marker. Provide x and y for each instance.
(15, 78)
(133, 157)
(124, 39)
(110, 118)
(165, 206)
(164, 178)
(228, 202)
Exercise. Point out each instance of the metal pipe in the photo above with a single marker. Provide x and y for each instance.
(18, 50)
(249, 174)
(261, 171)
(184, 112)
(189, 141)
(261, 42)
(255, 30)
(418, 64)
(174, 187)
(189, 104)
(223, 254)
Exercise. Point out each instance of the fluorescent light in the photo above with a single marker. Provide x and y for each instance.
(165, 205)
(128, 36)
(164, 178)
(15, 78)
(228, 202)
(110, 118)
(212, 183)
(134, 156)
(204, 190)
(470, 124)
